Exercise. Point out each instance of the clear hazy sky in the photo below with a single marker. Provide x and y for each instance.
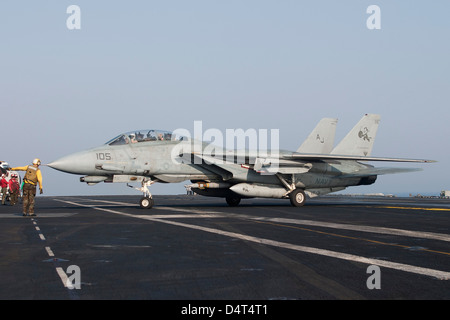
(231, 64)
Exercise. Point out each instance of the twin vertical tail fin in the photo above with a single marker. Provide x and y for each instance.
(359, 141)
(321, 139)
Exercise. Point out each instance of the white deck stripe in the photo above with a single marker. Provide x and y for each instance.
(50, 252)
(66, 282)
(370, 229)
(442, 275)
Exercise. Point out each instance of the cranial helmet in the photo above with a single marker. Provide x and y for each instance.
(37, 162)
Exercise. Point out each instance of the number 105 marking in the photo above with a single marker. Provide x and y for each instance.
(103, 156)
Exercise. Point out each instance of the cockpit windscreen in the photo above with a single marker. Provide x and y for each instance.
(143, 136)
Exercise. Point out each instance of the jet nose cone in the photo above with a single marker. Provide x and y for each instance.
(77, 163)
(60, 165)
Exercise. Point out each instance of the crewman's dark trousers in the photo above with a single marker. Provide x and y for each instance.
(29, 192)
(4, 191)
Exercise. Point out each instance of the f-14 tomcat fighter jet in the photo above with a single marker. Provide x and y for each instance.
(316, 168)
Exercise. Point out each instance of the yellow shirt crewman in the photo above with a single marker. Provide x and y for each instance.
(32, 177)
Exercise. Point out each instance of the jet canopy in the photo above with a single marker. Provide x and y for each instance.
(143, 136)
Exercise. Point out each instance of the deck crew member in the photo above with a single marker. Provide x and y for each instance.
(32, 177)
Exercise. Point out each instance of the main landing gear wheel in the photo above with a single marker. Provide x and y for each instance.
(146, 202)
(233, 202)
(297, 198)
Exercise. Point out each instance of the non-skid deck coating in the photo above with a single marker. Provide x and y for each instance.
(197, 248)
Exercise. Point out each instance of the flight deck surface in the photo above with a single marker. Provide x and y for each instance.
(198, 248)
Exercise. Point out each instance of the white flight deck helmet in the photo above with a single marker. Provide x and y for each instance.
(37, 162)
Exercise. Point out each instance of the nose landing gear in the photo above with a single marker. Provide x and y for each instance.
(146, 202)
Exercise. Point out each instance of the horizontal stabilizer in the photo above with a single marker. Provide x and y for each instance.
(324, 157)
(378, 171)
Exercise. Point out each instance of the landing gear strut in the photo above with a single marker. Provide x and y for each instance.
(297, 196)
(146, 202)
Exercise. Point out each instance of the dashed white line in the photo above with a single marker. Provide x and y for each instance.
(62, 275)
(49, 251)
